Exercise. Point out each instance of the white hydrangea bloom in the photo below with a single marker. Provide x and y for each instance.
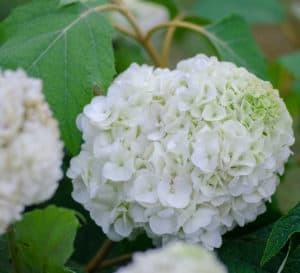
(185, 154)
(146, 13)
(175, 258)
(30, 149)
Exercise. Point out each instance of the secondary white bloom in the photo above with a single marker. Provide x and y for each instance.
(146, 13)
(185, 154)
(175, 258)
(30, 149)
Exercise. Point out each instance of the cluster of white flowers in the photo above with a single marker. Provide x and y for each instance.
(146, 13)
(186, 154)
(175, 258)
(30, 149)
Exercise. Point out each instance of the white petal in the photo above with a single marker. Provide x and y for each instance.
(201, 218)
(206, 151)
(115, 172)
(269, 186)
(123, 226)
(212, 239)
(80, 193)
(252, 198)
(205, 161)
(234, 128)
(98, 110)
(175, 193)
(137, 213)
(144, 188)
(160, 225)
(213, 112)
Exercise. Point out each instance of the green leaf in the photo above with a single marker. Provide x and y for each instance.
(70, 48)
(293, 262)
(45, 238)
(254, 11)
(89, 237)
(63, 3)
(281, 232)
(280, 77)
(234, 42)
(57, 269)
(242, 255)
(127, 53)
(5, 266)
(291, 63)
(76, 270)
(7, 6)
(169, 4)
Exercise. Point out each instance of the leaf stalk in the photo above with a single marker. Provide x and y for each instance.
(13, 250)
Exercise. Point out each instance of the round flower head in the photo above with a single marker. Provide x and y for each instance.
(146, 13)
(30, 149)
(175, 258)
(185, 154)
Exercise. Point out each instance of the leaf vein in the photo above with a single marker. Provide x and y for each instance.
(60, 35)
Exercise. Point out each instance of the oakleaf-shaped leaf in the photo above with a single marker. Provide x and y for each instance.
(69, 47)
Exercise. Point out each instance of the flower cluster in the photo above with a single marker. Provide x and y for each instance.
(146, 13)
(30, 149)
(185, 154)
(175, 258)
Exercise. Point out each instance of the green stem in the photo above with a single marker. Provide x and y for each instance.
(16, 263)
(280, 269)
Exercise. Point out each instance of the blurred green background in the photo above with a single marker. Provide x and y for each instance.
(7, 5)
(276, 27)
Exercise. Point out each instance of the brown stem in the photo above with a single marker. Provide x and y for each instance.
(291, 34)
(147, 44)
(168, 40)
(139, 35)
(98, 258)
(13, 251)
(152, 52)
(115, 261)
(123, 10)
(178, 23)
(126, 32)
